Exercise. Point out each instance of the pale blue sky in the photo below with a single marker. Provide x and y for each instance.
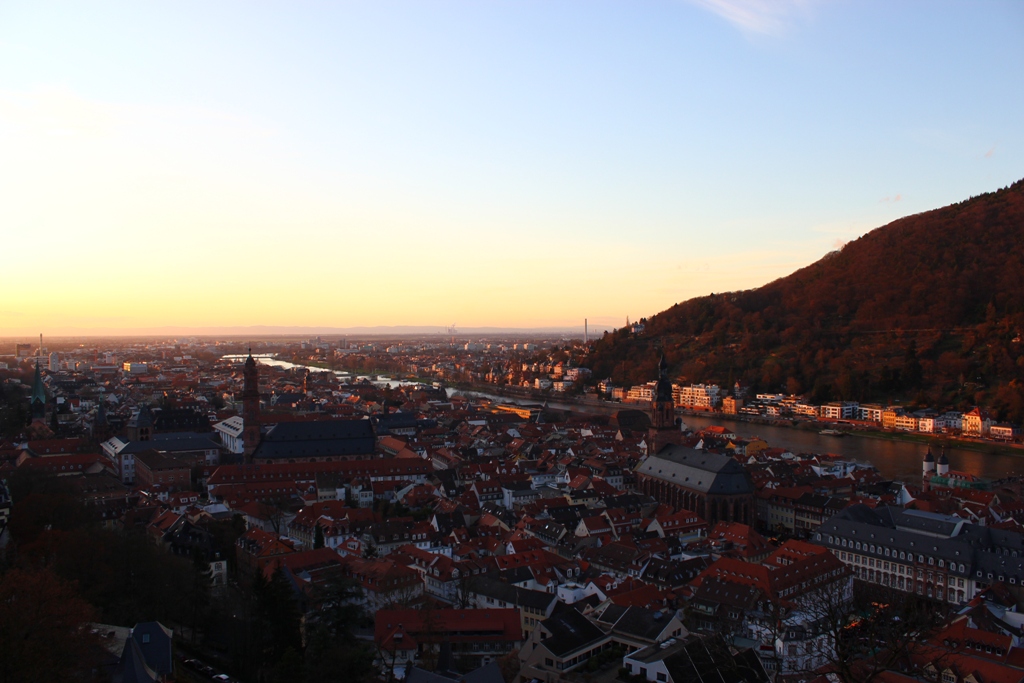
(650, 151)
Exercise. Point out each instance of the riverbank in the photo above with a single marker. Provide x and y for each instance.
(990, 447)
(590, 404)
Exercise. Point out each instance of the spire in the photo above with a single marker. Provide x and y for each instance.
(38, 391)
(145, 417)
(37, 402)
(663, 389)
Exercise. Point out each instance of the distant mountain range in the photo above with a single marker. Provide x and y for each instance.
(928, 309)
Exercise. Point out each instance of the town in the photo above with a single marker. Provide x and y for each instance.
(243, 511)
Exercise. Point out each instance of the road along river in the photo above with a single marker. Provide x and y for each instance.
(894, 459)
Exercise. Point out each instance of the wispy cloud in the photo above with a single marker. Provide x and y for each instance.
(988, 154)
(768, 17)
(896, 198)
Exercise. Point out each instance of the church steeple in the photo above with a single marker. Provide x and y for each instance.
(38, 399)
(664, 429)
(250, 406)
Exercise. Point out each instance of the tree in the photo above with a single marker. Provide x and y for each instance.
(278, 616)
(318, 537)
(44, 629)
(877, 632)
(200, 595)
(464, 588)
(331, 645)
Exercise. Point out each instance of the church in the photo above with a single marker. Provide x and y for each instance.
(314, 441)
(714, 486)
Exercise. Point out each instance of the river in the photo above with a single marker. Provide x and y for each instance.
(893, 459)
(269, 359)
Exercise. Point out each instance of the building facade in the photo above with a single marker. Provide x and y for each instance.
(714, 486)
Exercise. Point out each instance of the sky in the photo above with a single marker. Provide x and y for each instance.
(525, 163)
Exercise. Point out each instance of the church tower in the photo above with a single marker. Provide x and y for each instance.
(250, 406)
(38, 400)
(942, 464)
(927, 470)
(664, 430)
(140, 427)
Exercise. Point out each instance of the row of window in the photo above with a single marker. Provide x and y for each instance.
(893, 567)
(907, 584)
(891, 552)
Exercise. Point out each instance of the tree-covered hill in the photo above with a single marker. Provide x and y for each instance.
(928, 309)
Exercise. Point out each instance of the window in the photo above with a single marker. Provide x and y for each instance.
(145, 637)
(662, 676)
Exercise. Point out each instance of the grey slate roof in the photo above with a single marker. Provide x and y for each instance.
(322, 438)
(642, 623)
(570, 631)
(132, 667)
(954, 541)
(488, 673)
(702, 471)
(155, 641)
(175, 442)
(707, 660)
(513, 595)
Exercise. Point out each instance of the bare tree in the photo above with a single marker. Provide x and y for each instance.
(880, 629)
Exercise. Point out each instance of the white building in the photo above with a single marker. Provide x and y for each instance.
(845, 410)
(230, 431)
(697, 396)
(643, 393)
(870, 413)
(122, 463)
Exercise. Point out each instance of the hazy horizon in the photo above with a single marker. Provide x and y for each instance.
(240, 331)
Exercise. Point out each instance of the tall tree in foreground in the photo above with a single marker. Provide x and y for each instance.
(331, 645)
(879, 632)
(44, 629)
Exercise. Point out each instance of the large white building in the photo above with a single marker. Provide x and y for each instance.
(697, 396)
(844, 410)
(943, 557)
(643, 393)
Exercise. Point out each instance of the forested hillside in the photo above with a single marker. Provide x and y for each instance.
(928, 309)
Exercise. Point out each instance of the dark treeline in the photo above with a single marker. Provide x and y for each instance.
(928, 309)
(83, 571)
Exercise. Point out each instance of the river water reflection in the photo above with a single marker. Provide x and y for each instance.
(894, 459)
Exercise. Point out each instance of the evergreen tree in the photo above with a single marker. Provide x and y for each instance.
(318, 537)
(331, 645)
